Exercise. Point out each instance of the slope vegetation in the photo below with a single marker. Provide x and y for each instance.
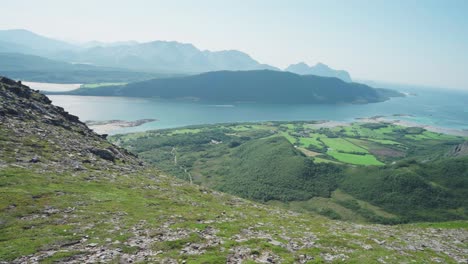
(383, 173)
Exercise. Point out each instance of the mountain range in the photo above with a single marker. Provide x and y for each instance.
(319, 69)
(155, 56)
(39, 69)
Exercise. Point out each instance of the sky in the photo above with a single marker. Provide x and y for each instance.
(421, 42)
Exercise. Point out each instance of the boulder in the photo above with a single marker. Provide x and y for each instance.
(103, 154)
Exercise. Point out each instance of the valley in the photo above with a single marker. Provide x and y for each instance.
(336, 170)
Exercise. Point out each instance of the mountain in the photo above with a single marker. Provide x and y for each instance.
(247, 86)
(20, 40)
(40, 69)
(156, 56)
(67, 195)
(320, 70)
(164, 56)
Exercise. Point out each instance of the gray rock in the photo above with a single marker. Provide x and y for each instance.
(103, 154)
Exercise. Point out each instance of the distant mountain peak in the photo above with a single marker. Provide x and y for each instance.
(320, 69)
(321, 65)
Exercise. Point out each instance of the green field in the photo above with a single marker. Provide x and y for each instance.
(313, 140)
(385, 141)
(355, 159)
(341, 144)
(185, 131)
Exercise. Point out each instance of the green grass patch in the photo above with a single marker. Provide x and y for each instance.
(341, 144)
(355, 159)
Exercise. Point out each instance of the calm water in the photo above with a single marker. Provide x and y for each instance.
(431, 107)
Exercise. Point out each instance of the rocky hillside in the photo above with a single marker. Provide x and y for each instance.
(50, 136)
(69, 196)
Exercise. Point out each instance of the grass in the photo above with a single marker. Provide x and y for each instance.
(322, 160)
(355, 159)
(185, 131)
(341, 144)
(385, 141)
(313, 140)
(290, 138)
(98, 207)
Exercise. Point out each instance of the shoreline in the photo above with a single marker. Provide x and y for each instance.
(404, 123)
(392, 120)
(108, 126)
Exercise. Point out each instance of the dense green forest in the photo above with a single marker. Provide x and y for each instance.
(272, 169)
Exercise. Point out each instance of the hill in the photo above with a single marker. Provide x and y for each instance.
(247, 86)
(272, 169)
(69, 196)
(319, 69)
(369, 172)
(40, 69)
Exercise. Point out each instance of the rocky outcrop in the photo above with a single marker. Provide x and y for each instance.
(48, 129)
(460, 150)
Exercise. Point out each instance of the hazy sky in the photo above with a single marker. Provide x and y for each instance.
(419, 42)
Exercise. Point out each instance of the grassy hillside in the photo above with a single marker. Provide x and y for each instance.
(69, 196)
(382, 169)
(247, 86)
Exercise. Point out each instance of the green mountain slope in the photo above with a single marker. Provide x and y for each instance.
(375, 172)
(69, 196)
(272, 169)
(247, 86)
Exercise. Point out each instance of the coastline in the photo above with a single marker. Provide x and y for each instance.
(109, 126)
(393, 120)
(105, 127)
